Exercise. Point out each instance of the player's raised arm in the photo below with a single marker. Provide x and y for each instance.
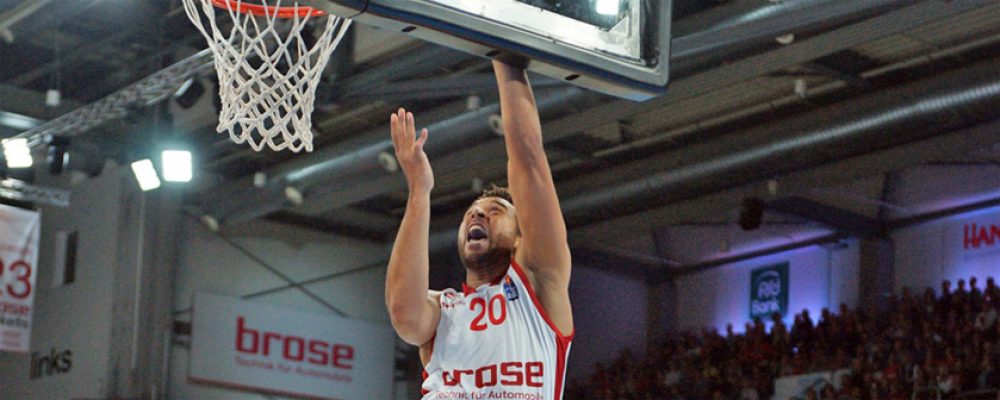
(544, 249)
(414, 315)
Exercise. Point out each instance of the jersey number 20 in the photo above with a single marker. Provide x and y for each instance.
(495, 317)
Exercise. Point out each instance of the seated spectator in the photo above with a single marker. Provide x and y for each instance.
(949, 343)
(989, 378)
(975, 295)
(948, 380)
(896, 392)
(749, 390)
(986, 318)
(828, 393)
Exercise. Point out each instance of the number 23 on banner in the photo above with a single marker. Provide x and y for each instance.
(18, 284)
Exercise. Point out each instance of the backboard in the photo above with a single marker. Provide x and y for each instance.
(618, 47)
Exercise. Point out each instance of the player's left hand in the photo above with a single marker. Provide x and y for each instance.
(410, 152)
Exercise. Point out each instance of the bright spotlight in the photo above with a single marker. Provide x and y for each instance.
(607, 7)
(17, 153)
(145, 174)
(177, 165)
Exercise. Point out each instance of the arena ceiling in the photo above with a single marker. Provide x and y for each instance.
(818, 128)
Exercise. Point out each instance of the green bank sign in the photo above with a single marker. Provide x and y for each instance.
(769, 291)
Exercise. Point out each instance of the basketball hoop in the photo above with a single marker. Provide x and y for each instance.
(268, 71)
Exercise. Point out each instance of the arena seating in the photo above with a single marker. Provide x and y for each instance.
(918, 346)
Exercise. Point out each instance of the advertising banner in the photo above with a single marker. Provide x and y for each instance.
(979, 237)
(18, 258)
(769, 291)
(252, 345)
(790, 387)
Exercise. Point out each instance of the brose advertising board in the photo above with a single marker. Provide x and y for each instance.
(249, 344)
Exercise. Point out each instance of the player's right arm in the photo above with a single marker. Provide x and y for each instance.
(414, 313)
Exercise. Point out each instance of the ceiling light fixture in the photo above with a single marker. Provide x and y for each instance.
(17, 153)
(145, 174)
(176, 165)
(607, 7)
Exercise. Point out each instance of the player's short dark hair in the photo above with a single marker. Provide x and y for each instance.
(497, 191)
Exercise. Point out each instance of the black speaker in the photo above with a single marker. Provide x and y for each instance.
(189, 93)
(56, 156)
(751, 213)
(3, 165)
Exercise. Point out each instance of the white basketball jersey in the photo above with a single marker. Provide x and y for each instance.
(496, 342)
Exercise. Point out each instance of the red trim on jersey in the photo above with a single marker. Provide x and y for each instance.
(430, 356)
(562, 341)
(423, 392)
(538, 304)
(562, 353)
(467, 290)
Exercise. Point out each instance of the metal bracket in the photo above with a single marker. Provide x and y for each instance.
(18, 190)
(148, 91)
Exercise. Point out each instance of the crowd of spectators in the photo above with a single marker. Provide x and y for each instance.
(946, 341)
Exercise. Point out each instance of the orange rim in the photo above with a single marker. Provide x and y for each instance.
(268, 11)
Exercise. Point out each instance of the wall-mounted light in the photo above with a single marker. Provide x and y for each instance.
(294, 195)
(607, 7)
(145, 174)
(176, 165)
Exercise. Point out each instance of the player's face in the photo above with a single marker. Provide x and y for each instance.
(488, 228)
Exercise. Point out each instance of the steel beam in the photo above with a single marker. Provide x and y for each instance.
(31, 103)
(571, 125)
(844, 38)
(85, 50)
(17, 190)
(705, 265)
(948, 212)
(635, 266)
(847, 37)
(348, 222)
(436, 88)
(425, 60)
(67, 10)
(19, 13)
(768, 22)
(150, 90)
(837, 218)
(933, 106)
(834, 73)
(804, 181)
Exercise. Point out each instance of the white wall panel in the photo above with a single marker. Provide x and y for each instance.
(76, 317)
(818, 277)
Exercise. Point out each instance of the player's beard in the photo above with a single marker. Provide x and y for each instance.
(492, 259)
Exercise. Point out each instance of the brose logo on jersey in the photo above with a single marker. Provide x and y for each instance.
(450, 299)
(511, 373)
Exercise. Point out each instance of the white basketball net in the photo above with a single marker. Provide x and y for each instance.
(267, 75)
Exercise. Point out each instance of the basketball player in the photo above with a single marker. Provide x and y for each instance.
(507, 334)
